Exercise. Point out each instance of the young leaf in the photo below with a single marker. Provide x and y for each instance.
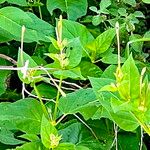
(37, 145)
(22, 59)
(130, 86)
(49, 135)
(130, 2)
(73, 8)
(76, 30)
(104, 4)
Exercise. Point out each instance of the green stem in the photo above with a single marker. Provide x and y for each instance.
(57, 100)
(42, 104)
(134, 41)
(40, 10)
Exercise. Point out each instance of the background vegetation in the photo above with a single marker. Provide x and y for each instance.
(74, 74)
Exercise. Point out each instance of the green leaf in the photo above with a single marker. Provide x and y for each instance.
(25, 115)
(109, 72)
(7, 137)
(76, 133)
(101, 44)
(37, 145)
(46, 91)
(76, 30)
(130, 2)
(12, 17)
(96, 20)
(104, 4)
(124, 119)
(30, 137)
(74, 52)
(17, 2)
(65, 146)
(128, 141)
(74, 73)
(48, 130)
(22, 59)
(112, 59)
(75, 102)
(73, 8)
(104, 40)
(146, 1)
(90, 69)
(130, 85)
(137, 46)
(43, 29)
(3, 77)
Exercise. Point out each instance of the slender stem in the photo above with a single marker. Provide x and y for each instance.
(8, 58)
(134, 41)
(86, 126)
(118, 43)
(23, 90)
(61, 118)
(141, 142)
(57, 100)
(42, 104)
(40, 10)
(116, 135)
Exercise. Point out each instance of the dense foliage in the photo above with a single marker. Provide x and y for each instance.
(74, 74)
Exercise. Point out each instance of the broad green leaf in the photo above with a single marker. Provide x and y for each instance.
(43, 29)
(130, 2)
(30, 137)
(46, 90)
(96, 20)
(130, 86)
(5, 36)
(48, 133)
(37, 145)
(137, 46)
(73, 8)
(73, 29)
(76, 133)
(109, 72)
(124, 119)
(14, 18)
(3, 77)
(146, 1)
(74, 73)
(101, 44)
(75, 102)
(112, 59)
(74, 52)
(104, 4)
(128, 141)
(90, 69)
(25, 115)
(17, 2)
(7, 137)
(65, 146)
(104, 40)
